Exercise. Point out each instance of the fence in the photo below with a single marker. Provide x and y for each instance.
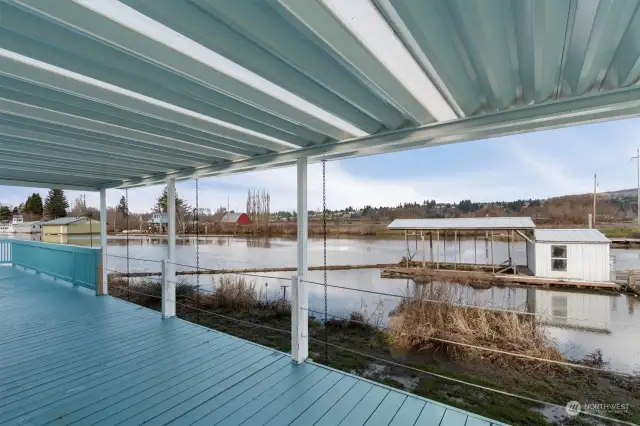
(76, 265)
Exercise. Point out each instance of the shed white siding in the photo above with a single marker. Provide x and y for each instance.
(28, 228)
(585, 261)
(531, 256)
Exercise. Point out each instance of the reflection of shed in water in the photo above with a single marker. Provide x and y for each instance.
(573, 310)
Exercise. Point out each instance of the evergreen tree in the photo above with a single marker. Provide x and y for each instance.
(33, 205)
(56, 204)
(161, 203)
(5, 213)
(123, 207)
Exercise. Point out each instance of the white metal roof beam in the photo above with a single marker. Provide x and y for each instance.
(21, 68)
(5, 167)
(118, 25)
(257, 37)
(572, 111)
(24, 182)
(365, 22)
(361, 45)
(49, 116)
(66, 169)
(13, 151)
(32, 133)
(127, 119)
(127, 72)
(50, 141)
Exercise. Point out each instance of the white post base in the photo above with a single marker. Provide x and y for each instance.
(299, 320)
(168, 289)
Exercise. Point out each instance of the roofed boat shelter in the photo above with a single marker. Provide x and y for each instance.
(122, 94)
(468, 224)
(523, 226)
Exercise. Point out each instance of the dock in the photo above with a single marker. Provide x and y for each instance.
(625, 243)
(487, 278)
(223, 271)
(68, 356)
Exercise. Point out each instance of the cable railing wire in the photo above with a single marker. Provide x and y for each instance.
(203, 271)
(462, 382)
(459, 305)
(236, 319)
(134, 258)
(484, 348)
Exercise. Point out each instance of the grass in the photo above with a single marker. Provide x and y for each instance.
(416, 323)
(620, 231)
(407, 341)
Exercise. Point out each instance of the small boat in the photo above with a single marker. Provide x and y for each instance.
(4, 227)
(7, 227)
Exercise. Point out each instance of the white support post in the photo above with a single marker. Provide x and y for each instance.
(299, 320)
(103, 284)
(300, 297)
(168, 267)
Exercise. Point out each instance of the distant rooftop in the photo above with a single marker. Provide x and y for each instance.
(65, 220)
(230, 217)
(570, 236)
(470, 223)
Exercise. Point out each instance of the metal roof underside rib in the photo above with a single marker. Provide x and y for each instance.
(97, 94)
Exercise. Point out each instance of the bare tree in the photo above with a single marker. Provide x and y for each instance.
(79, 206)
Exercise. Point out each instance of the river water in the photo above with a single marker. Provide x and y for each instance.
(579, 322)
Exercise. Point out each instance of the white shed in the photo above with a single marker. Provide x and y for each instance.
(573, 254)
(34, 227)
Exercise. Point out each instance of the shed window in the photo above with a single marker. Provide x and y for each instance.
(558, 258)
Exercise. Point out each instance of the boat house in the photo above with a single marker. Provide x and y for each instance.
(565, 254)
(71, 225)
(576, 254)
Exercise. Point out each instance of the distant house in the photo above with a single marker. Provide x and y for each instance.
(235, 218)
(71, 225)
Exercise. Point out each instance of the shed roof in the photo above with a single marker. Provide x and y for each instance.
(33, 222)
(231, 217)
(464, 223)
(130, 93)
(570, 236)
(65, 220)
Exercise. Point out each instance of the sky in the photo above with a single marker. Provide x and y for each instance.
(532, 165)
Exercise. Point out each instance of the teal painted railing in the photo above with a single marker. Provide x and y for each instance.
(77, 265)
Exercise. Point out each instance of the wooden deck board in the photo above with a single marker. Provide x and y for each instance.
(69, 357)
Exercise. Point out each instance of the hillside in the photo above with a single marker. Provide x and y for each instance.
(616, 207)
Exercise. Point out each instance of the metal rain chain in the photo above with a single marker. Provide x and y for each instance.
(324, 233)
(197, 220)
(126, 212)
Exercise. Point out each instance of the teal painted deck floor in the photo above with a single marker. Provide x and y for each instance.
(69, 357)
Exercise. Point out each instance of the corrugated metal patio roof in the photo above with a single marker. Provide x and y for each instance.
(570, 236)
(146, 90)
(469, 223)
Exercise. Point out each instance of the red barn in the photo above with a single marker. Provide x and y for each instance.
(235, 218)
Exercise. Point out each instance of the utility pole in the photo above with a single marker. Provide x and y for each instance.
(595, 189)
(637, 157)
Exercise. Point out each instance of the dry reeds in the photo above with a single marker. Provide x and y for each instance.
(237, 293)
(441, 325)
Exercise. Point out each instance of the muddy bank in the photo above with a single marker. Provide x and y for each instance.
(363, 341)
